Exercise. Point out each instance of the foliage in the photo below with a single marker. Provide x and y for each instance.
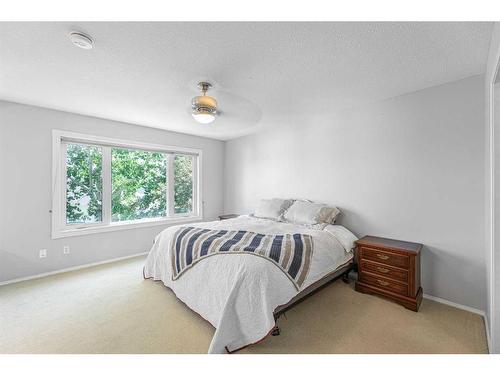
(83, 183)
(183, 189)
(139, 184)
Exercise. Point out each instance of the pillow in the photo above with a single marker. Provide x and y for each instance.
(343, 235)
(307, 213)
(328, 214)
(272, 208)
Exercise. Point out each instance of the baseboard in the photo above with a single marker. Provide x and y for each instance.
(457, 305)
(488, 337)
(87, 265)
(466, 308)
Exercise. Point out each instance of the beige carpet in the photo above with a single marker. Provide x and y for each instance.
(111, 309)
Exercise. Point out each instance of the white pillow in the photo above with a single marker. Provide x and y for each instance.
(343, 235)
(328, 214)
(272, 208)
(307, 213)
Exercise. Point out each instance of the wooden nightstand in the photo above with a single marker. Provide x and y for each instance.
(390, 268)
(227, 216)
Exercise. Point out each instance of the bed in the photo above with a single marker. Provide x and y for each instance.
(242, 295)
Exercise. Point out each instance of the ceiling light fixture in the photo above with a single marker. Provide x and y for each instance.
(81, 40)
(204, 108)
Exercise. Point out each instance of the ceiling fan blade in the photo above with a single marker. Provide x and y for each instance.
(234, 112)
(235, 106)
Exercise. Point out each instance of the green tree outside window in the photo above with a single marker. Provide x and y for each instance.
(83, 183)
(183, 189)
(139, 184)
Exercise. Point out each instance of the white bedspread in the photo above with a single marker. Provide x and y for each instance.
(237, 294)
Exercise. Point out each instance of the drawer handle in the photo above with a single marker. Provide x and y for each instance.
(383, 283)
(382, 256)
(383, 270)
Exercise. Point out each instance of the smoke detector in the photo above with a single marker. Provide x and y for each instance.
(81, 40)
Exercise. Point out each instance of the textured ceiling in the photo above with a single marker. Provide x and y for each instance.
(146, 73)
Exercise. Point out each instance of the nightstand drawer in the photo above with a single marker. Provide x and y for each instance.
(384, 283)
(384, 270)
(385, 257)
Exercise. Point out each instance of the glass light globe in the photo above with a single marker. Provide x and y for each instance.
(204, 117)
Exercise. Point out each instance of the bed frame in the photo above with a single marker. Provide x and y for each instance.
(342, 271)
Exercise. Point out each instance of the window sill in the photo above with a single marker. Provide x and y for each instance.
(124, 226)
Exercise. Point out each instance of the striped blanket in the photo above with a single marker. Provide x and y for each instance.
(292, 253)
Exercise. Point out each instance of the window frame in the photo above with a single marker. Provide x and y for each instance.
(61, 229)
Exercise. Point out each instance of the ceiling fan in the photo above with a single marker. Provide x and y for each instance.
(238, 111)
(204, 107)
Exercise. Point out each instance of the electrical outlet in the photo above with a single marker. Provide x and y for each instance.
(66, 249)
(42, 253)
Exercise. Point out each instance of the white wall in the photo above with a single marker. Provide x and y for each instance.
(493, 258)
(25, 199)
(410, 167)
(492, 205)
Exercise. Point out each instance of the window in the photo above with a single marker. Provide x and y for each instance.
(83, 184)
(183, 187)
(103, 184)
(138, 184)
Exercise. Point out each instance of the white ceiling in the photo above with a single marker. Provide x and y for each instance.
(146, 73)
